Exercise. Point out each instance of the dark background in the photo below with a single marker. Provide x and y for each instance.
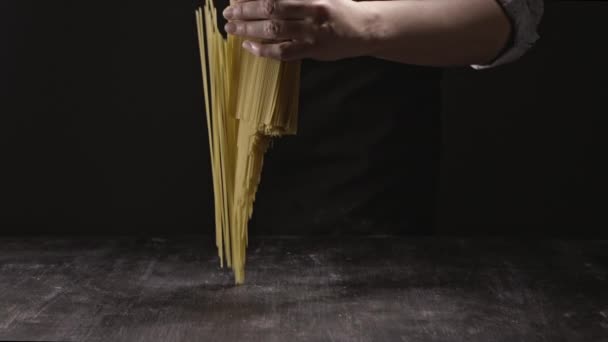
(101, 125)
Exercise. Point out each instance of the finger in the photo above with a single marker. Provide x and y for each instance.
(270, 9)
(284, 51)
(269, 29)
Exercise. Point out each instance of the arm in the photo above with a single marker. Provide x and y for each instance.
(424, 32)
(437, 32)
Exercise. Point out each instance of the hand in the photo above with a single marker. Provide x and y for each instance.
(296, 29)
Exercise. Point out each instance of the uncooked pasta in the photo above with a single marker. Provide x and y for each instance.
(248, 101)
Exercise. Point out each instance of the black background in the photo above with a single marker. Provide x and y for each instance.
(101, 125)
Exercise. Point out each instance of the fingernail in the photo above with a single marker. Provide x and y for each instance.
(230, 27)
(250, 47)
(228, 12)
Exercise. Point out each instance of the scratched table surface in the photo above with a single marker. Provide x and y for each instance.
(304, 289)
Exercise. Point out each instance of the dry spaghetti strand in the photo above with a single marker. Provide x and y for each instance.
(248, 101)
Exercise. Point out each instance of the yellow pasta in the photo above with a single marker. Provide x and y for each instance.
(248, 101)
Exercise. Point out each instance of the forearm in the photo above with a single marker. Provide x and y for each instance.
(434, 32)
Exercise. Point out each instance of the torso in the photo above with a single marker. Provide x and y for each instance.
(365, 159)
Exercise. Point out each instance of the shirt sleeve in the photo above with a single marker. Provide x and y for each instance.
(524, 15)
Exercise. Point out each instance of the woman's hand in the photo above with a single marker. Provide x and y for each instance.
(296, 29)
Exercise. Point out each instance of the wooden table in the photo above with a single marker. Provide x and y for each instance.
(303, 289)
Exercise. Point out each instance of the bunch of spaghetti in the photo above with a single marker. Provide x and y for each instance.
(248, 101)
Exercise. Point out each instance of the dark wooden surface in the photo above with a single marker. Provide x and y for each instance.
(304, 289)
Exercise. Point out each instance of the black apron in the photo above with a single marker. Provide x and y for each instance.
(365, 159)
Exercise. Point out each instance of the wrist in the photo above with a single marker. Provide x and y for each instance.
(369, 28)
